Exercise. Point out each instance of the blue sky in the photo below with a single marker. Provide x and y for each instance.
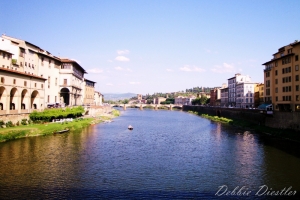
(152, 46)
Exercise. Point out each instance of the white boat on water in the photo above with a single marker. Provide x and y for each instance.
(130, 127)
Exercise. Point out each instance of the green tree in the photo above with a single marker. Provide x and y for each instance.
(125, 101)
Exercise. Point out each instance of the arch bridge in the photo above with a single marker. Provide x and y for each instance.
(141, 106)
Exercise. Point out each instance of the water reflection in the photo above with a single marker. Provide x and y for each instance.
(169, 154)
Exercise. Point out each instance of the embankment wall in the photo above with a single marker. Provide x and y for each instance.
(282, 120)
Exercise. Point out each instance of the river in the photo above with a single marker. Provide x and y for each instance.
(168, 155)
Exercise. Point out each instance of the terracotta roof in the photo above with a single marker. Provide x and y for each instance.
(6, 52)
(89, 80)
(291, 54)
(66, 60)
(21, 73)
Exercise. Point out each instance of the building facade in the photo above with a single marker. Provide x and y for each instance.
(232, 87)
(20, 92)
(32, 78)
(282, 79)
(180, 100)
(88, 92)
(245, 95)
(224, 97)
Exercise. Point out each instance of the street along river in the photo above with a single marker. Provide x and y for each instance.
(167, 155)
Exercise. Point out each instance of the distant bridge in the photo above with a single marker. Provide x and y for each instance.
(141, 106)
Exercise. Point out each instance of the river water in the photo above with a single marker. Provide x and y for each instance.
(168, 155)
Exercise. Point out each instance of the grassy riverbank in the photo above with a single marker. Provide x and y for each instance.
(31, 130)
(282, 133)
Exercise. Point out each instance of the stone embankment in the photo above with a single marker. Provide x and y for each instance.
(280, 120)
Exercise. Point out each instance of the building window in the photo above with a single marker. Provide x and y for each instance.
(26, 64)
(297, 78)
(48, 81)
(55, 99)
(297, 97)
(42, 86)
(276, 81)
(25, 83)
(14, 81)
(296, 58)
(34, 84)
(276, 72)
(276, 90)
(2, 79)
(55, 81)
(297, 87)
(276, 98)
(48, 98)
(65, 81)
(283, 98)
(297, 67)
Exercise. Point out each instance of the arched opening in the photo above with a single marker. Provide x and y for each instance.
(34, 99)
(13, 99)
(24, 99)
(65, 96)
(3, 98)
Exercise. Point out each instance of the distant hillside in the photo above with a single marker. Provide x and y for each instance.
(115, 97)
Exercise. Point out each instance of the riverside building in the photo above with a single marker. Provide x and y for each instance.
(32, 78)
(282, 79)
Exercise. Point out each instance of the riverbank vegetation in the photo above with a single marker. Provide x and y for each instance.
(282, 133)
(46, 128)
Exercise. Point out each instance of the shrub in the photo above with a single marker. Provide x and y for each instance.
(56, 113)
(1, 123)
(24, 122)
(9, 124)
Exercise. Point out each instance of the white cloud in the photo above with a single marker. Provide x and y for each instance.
(119, 68)
(123, 69)
(122, 59)
(225, 68)
(109, 61)
(188, 68)
(95, 71)
(169, 70)
(134, 83)
(121, 52)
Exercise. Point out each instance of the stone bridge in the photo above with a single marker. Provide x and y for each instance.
(142, 106)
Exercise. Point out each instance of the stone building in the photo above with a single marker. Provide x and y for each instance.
(20, 92)
(282, 79)
(88, 92)
(72, 77)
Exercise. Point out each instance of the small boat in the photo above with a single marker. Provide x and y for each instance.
(63, 131)
(130, 127)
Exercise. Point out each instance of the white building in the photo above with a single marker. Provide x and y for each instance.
(184, 100)
(71, 82)
(245, 95)
(98, 99)
(232, 87)
(32, 60)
